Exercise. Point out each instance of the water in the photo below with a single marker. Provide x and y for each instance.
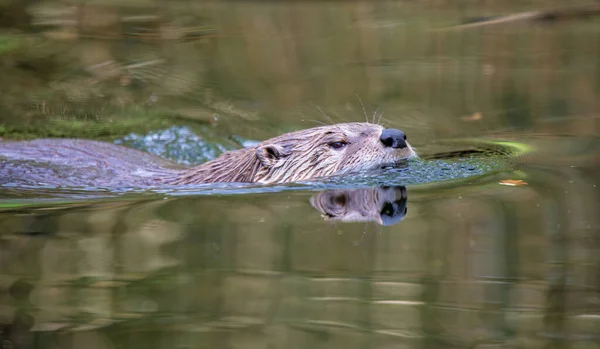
(482, 250)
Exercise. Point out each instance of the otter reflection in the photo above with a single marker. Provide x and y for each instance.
(383, 205)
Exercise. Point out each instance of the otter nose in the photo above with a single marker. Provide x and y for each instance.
(391, 137)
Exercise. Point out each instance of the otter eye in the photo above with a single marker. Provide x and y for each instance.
(340, 200)
(337, 145)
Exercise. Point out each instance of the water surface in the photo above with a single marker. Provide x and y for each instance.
(492, 250)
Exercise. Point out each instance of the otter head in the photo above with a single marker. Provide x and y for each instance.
(329, 150)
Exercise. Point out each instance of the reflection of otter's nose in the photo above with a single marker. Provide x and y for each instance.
(393, 212)
(391, 137)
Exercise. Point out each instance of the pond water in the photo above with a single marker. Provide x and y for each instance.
(491, 239)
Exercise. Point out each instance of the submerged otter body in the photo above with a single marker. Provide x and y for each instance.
(295, 156)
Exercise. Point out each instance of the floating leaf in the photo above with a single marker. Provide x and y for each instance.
(473, 117)
(513, 182)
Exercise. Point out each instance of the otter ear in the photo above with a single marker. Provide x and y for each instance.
(270, 154)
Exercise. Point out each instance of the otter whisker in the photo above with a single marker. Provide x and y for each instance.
(374, 114)
(363, 108)
(359, 241)
(318, 122)
(323, 113)
(379, 120)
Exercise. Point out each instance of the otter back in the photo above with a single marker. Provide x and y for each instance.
(77, 162)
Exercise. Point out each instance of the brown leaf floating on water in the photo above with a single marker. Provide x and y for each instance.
(513, 182)
(473, 117)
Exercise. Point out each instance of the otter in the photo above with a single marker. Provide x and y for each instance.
(292, 157)
(382, 205)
